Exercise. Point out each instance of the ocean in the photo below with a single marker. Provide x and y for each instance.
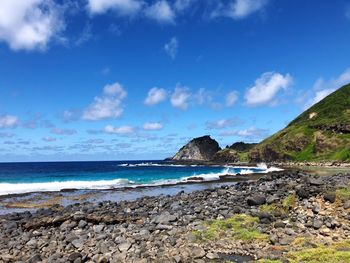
(55, 176)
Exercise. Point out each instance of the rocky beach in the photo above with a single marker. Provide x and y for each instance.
(287, 216)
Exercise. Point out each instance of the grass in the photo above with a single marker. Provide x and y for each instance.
(289, 202)
(343, 194)
(280, 208)
(239, 226)
(336, 253)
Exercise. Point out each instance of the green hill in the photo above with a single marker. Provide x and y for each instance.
(321, 133)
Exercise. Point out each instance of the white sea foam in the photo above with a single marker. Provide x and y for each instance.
(151, 165)
(16, 188)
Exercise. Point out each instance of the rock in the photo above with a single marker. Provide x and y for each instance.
(316, 208)
(34, 259)
(302, 193)
(124, 247)
(77, 243)
(200, 149)
(82, 224)
(10, 225)
(256, 200)
(32, 243)
(346, 205)
(284, 241)
(316, 181)
(317, 224)
(212, 256)
(197, 252)
(330, 197)
(99, 228)
(75, 255)
(279, 224)
(165, 218)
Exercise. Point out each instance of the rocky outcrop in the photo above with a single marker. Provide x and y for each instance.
(320, 133)
(226, 156)
(241, 146)
(199, 149)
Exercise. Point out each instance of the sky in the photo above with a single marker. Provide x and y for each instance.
(137, 79)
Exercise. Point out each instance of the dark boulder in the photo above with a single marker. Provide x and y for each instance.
(256, 200)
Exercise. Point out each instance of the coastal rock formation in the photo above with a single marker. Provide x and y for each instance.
(199, 149)
(320, 133)
(226, 156)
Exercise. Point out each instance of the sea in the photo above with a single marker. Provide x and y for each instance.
(16, 178)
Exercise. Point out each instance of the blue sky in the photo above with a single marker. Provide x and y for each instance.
(133, 79)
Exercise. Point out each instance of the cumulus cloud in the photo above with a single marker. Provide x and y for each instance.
(239, 9)
(123, 130)
(181, 5)
(171, 47)
(222, 124)
(161, 12)
(8, 121)
(108, 105)
(59, 131)
(323, 88)
(30, 24)
(179, 98)
(155, 96)
(231, 98)
(122, 7)
(152, 126)
(266, 88)
(250, 133)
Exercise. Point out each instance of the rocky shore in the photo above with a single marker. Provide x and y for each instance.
(287, 216)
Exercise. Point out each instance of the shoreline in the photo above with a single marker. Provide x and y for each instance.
(281, 210)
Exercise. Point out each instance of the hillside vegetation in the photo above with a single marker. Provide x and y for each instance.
(321, 133)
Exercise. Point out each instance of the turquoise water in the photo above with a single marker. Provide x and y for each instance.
(55, 176)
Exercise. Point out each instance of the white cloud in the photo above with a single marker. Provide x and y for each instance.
(8, 121)
(155, 96)
(179, 98)
(30, 24)
(181, 5)
(161, 11)
(239, 9)
(222, 124)
(152, 126)
(123, 130)
(59, 131)
(109, 105)
(231, 98)
(250, 133)
(323, 88)
(122, 7)
(171, 47)
(266, 88)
